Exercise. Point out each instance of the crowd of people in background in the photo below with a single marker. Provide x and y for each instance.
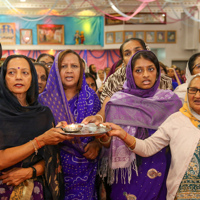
(153, 110)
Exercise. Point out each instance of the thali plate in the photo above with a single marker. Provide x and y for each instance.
(88, 130)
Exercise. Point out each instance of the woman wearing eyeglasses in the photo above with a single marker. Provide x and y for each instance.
(181, 132)
(46, 59)
(192, 68)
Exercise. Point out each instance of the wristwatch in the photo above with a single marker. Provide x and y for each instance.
(34, 172)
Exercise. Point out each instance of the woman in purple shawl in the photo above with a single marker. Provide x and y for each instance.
(70, 99)
(139, 109)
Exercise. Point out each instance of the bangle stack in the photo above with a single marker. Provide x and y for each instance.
(100, 116)
(104, 142)
(133, 144)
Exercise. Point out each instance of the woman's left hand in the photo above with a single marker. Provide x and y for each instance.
(92, 150)
(16, 176)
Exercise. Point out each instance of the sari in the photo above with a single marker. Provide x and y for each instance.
(139, 112)
(19, 125)
(79, 172)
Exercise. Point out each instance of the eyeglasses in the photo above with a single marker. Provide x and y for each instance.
(192, 90)
(49, 65)
(196, 66)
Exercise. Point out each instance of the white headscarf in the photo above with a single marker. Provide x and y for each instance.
(99, 81)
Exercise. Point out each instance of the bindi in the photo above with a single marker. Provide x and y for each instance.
(18, 67)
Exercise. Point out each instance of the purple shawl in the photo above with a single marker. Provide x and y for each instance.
(54, 97)
(136, 110)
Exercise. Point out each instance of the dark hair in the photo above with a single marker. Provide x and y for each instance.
(0, 51)
(163, 66)
(148, 55)
(44, 54)
(88, 75)
(130, 39)
(32, 93)
(192, 60)
(32, 59)
(60, 59)
(91, 72)
(42, 65)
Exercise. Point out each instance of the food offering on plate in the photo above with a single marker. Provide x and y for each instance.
(85, 130)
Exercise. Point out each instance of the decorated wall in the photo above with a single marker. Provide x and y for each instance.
(101, 58)
(93, 28)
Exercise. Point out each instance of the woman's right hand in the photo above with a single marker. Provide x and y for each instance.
(52, 137)
(92, 119)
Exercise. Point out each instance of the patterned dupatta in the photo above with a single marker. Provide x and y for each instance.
(135, 110)
(54, 97)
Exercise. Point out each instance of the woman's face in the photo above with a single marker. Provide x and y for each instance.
(107, 70)
(70, 71)
(47, 61)
(170, 72)
(94, 69)
(194, 99)
(42, 78)
(129, 49)
(18, 76)
(162, 71)
(91, 83)
(196, 67)
(144, 73)
(101, 74)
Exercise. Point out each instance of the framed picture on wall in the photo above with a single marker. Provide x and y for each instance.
(7, 33)
(50, 34)
(109, 37)
(140, 34)
(26, 36)
(112, 21)
(119, 37)
(171, 36)
(128, 35)
(150, 36)
(160, 36)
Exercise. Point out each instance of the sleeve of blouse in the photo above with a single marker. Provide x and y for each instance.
(156, 142)
(113, 84)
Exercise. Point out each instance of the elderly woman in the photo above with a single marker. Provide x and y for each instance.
(183, 178)
(140, 108)
(26, 126)
(192, 68)
(70, 99)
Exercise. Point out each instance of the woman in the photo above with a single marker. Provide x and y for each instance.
(139, 108)
(115, 82)
(183, 177)
(101, 76)
(70, 99)
(46, 59)
(42, 74)
(192, 68)
(91, 81)
(24, 131)
(93, 70)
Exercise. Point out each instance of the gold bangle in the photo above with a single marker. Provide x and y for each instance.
(129, 147)
(104, 142)
(99, 116)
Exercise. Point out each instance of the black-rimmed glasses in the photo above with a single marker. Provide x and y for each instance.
(193, 90)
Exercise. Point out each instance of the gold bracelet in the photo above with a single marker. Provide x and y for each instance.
(129, 147)
(36, 150)
(104, 142)
(99, 116)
